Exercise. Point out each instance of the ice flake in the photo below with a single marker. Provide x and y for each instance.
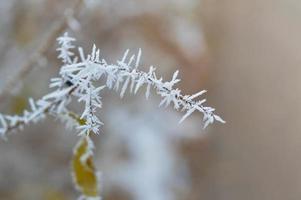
(125, 55)
(65, 48)
(124, 87)
(218, 118)
(147, 93)
(188, 113)
(57, 94)
(131, 60)
(139, 83)
(3, 123)
(196, 95)
(138, 58)
(32, 104)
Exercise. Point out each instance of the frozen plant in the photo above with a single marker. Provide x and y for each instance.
(78, 77)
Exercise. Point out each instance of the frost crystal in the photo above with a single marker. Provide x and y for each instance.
(65, 48)
(77, 80)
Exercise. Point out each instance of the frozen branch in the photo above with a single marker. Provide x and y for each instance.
(77, 80)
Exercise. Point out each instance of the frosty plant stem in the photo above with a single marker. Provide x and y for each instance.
(77, 80)
(78, 77)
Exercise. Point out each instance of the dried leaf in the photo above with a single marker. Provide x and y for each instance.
(84, 173)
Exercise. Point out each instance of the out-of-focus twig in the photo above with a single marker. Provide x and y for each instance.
(57, 28)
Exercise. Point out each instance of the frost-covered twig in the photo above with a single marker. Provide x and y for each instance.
(57, 28)
(37, 112)
(78, 78)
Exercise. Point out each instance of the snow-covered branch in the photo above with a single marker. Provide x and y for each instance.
(78, 78)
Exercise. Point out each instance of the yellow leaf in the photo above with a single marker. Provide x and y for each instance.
(84, 173)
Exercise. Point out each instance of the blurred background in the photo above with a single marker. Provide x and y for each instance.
(247, 55)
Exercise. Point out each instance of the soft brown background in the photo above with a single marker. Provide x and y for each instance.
(255, 77)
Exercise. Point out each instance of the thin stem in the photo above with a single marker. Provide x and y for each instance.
(57, 28)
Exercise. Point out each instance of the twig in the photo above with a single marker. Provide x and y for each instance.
(77, 78)
(57, 28)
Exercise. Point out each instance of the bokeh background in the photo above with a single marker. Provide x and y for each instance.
(246, 53)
